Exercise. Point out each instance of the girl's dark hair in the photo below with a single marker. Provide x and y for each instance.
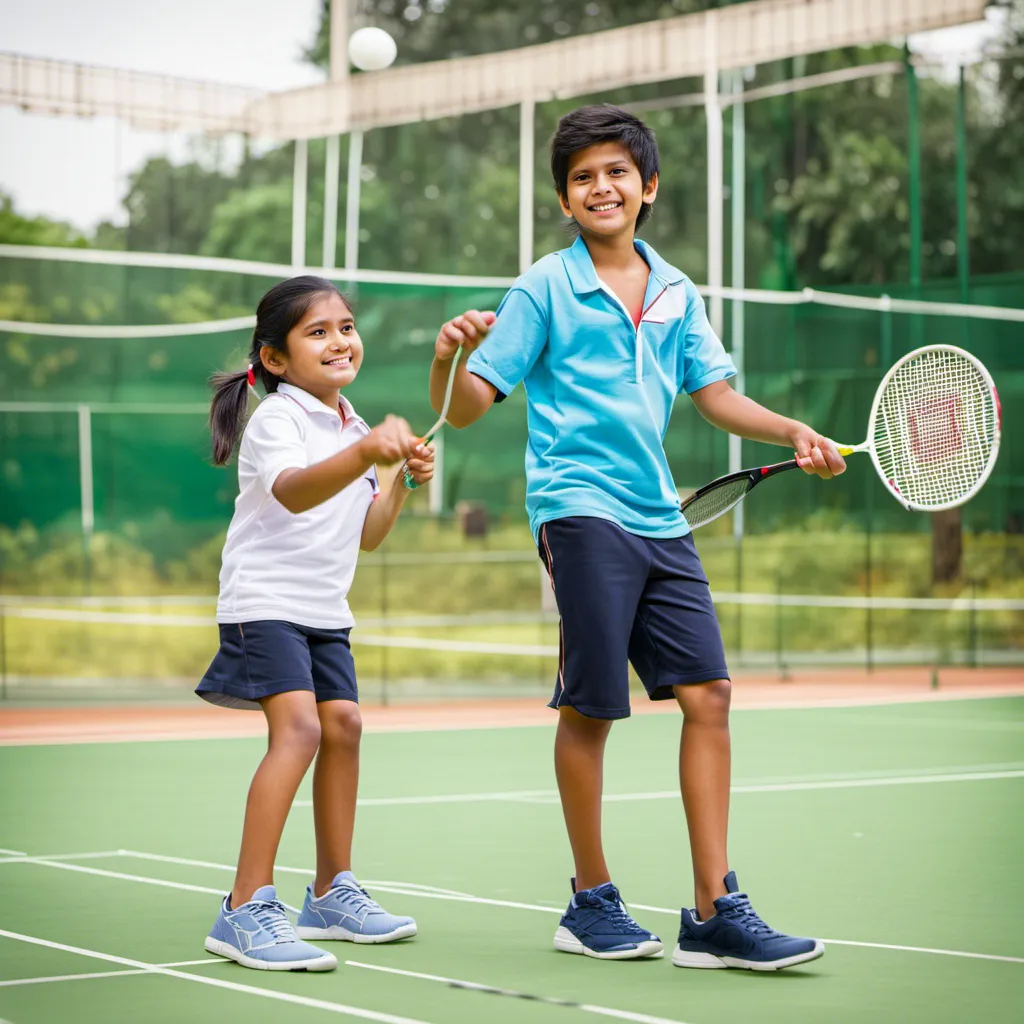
(278, 312)
(602, 122)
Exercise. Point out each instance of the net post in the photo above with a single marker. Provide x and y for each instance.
(972, 627)
(526, 159)
(300, 175)
(914, 189)
(85, 481)
(355, 182)
(738, 201)
(713, 118)
(331, 171)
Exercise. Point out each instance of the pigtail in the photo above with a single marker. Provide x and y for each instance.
(227, 412)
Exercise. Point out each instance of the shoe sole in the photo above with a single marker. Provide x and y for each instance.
(708, 961)
(337, 933)
(566, 942)
(327, 962)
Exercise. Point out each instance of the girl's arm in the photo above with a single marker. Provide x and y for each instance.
(724, 408)
(382, 514)
(472, 396)
(299, 490)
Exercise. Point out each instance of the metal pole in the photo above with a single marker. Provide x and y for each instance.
(331, 170)
(963, 265)
(713, 117)
(339, 39)
(914, 166)
(526, 159)
(739, 213)
(355, 181)
(299, 187)
(85, 480)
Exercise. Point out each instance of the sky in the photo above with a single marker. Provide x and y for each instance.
(75, 170)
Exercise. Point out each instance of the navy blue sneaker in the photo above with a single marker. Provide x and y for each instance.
(596, 924)
(737, 937)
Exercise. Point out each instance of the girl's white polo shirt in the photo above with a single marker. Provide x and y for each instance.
(279, 565)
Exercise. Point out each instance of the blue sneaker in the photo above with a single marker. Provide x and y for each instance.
(737, 937)
(258, 934)
(347, 912)
(597, 924)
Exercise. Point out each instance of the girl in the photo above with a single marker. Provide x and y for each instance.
(307, 502)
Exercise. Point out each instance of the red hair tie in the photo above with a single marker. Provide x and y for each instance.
(251, 377)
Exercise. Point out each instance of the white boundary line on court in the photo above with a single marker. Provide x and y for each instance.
(234, 986)
(475, 986)
(413, 889)
(795, 786)
(50, 979)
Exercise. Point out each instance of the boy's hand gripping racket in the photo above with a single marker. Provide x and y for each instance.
(442, 419)
(933, 436)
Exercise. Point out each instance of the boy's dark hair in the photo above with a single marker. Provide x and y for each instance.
(602, 122)
(278, 312)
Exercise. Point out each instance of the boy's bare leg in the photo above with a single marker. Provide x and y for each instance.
(335, 785)
(704, 776)
(294, 734)
(579, 768)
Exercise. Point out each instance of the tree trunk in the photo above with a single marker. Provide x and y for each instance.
(947, 546)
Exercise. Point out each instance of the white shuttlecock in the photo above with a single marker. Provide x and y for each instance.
(371, 49)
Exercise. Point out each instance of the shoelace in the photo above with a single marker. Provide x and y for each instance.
(617, 914)
(738, 909)
(358, 897)
(271, 915)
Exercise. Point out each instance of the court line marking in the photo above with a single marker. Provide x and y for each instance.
(474, 986)
(412, 889)
(550, 795)
(199, 979)
(14, 853)
(189, 862)
(58, 856)
(103, 974)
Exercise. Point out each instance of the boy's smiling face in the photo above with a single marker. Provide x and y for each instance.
(604, 190)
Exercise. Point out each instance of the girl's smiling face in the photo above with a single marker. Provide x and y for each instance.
(324, 350)
(604, 189)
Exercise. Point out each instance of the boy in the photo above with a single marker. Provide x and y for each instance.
(605, 334)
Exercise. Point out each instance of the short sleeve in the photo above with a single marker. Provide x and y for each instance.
(274, 441)
(704, 357)
(513, 344)
(373, 481)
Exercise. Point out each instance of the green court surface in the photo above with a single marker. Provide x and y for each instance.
(895, 833)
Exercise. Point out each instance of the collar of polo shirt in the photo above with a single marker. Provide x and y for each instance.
(314, 405)
(583, 276)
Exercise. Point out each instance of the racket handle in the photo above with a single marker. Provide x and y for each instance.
(406, 475)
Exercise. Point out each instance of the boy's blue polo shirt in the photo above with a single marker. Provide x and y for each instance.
(600, 391)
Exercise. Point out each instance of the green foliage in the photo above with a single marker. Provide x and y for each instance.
(254, 224)
(16, 229)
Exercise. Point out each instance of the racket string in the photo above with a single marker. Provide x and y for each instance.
(935, 429)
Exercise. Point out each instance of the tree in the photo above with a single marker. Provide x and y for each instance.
(17, 229)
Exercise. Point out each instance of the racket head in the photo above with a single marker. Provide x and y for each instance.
(935, 427)
(713, 500)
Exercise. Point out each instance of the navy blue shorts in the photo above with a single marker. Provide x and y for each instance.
(623, 598)
(259, 659)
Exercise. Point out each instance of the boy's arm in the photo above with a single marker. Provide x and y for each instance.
(472, 396)
(382, 514)
(724, 408)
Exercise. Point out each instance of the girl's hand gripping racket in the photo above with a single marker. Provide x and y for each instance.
(933, 436)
